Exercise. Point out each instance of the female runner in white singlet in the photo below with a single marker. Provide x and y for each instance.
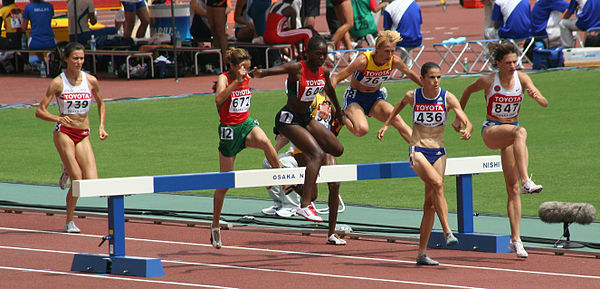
(74, 91)
(427, 153)
(504, 96)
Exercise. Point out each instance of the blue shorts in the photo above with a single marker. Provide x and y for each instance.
(366, 100)
(432, 155)
(133, 7)
(489, 123)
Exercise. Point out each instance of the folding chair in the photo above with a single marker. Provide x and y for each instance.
(407, 54)
(480, 48)
(339, 57)
(446, 51)
(524, 49)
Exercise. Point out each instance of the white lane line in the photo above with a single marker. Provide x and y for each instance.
(313, 274)
(46, 271)
(321, 255)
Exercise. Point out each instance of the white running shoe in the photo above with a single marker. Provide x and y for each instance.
(529, 187)
(517, 246)
(286, 212)
(270, 211)
(310, 214)
(451, 241)
(423, 259)
(334, 239)
(63, 182)
(215, 237)
(71, 228)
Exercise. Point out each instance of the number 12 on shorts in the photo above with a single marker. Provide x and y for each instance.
(226, 133)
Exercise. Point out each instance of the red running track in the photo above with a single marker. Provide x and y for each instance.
(35, 254)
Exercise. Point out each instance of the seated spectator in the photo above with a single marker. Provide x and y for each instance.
(244, 25)
(80, 30)
(11, 20)
(545, 16)
(40, 14)
(588, 16)
(277, 30)
(133, 9)
(258, 13)
(345, 15)
(199, 29)
(404, 16)
(310, 11)
(512, 19)
(332, 22)
(217, 20)
(489, 31)
(364, 23)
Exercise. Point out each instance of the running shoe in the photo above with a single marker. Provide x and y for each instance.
(286, 212)
(423, 259)
(310, 214)
(529, 187)
(451, 241)
(517, 246)
(334, 239)
(63, 182)
(71, 228)
(270, 211)
(215, 237)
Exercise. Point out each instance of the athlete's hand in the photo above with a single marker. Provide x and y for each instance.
(243, 74)
(255, 72)
(65, 120)
(466, 135)
(381, 132)
(457, 124)
(102, 133)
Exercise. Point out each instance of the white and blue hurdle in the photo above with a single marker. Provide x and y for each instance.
(116, 188)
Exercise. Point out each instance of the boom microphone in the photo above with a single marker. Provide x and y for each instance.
(563, 212)
(567, 213)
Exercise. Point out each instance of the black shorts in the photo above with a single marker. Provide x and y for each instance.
(285, 117)
(217, 3)
(310, 8)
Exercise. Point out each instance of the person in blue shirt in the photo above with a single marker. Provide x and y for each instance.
(404, 16)
(545, 16)
(512, 18)
(40, 14)
(588, 16)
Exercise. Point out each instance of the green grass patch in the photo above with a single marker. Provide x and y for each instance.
(179, 136)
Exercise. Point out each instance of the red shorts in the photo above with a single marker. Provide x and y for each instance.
(76, 134)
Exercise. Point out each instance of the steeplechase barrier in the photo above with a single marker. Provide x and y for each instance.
(116, 188)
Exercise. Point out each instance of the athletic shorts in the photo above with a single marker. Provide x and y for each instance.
(285, 117)
(133, 7)
(217, 3)
(233, 137)
(489, 123)
(366, 100)
(337, 2)
(76, 134)
(310, 8)
(431, 154)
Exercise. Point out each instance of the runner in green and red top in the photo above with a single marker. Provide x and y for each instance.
(237, 130)
(305, 80)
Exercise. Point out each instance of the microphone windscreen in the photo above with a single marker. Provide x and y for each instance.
(563, 212)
